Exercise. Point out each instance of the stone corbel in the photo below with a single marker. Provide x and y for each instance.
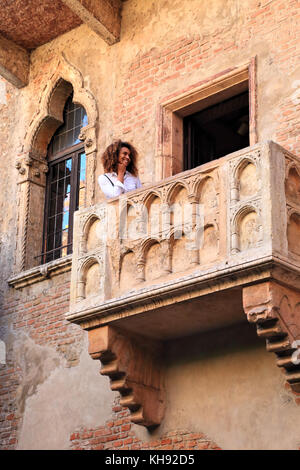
(134, 369)
(274, 310)
(88, 135)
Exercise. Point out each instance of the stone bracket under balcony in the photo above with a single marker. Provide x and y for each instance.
(188, 255)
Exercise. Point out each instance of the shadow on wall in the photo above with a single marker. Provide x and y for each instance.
(226, 385)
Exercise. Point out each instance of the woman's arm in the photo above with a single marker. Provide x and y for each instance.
(110, 190)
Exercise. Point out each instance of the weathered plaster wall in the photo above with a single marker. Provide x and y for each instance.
(222, 387)
(66, 399)
(165, 48)
(233, 387)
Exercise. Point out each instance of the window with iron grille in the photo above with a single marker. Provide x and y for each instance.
(66, 183)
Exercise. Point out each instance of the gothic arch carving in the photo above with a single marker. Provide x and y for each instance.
(208, 198)
(292, 184)
(248, 184)
(31, 162)
(49, 114)
(253, 230)
(175, 189)
(293, 231)
(82, 274)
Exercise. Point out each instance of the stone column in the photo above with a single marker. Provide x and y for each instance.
(32, 171)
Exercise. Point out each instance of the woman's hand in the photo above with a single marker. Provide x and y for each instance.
(123, 162)
(121, 171)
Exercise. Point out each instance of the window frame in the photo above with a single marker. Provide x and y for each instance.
(73, 152)
(173, 108)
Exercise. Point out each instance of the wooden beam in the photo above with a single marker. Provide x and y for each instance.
(14, 63)
(102, 16)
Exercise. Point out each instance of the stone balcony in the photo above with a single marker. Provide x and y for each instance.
(192, 253)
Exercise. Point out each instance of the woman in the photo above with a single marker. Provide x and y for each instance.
(119, 162)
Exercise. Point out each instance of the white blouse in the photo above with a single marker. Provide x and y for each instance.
(112, 187)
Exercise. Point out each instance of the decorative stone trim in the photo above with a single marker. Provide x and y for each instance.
(39, 273)
(165, 294)
(31, 162)
(134, 370)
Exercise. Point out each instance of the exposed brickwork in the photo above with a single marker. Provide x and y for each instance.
(42, 319)
(173, 66)
(117, 434)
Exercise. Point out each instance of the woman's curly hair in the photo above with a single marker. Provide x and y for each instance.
(111, 155)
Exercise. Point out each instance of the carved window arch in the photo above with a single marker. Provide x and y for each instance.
(66, 182)
(32, 166)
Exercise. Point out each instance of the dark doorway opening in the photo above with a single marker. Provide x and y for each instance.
(216, 131)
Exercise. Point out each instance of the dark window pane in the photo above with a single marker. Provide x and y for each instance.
(75, 118)
(61, 171)
(51, 225)
(53, 190)
(78, 119)
(65, 191)
(53, 173)
(216, 131)
(69, 139)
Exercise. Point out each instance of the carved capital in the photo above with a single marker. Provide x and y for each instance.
(31, 168)
(88, 136)
(140, 270)
(134, 370)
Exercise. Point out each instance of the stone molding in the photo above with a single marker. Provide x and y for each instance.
(146, 299)
(40, 273)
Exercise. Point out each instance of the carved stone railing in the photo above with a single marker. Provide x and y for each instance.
(144, 265)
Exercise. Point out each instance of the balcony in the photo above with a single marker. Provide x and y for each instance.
(202, 250)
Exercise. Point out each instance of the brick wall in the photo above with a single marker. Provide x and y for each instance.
(167, 71)
(118, 434)
(41, 318)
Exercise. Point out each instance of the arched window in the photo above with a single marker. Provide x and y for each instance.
(66, 182)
